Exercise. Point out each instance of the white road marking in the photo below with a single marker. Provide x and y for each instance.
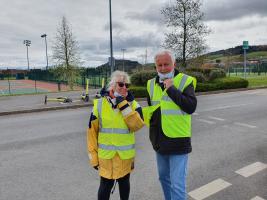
(216, 118)
(257, 198)
(251, 169)
(195, 114)
(206, 121)
(224, 107)
(209, 189)
(245, 125)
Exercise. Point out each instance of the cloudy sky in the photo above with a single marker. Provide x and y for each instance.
(137, 26)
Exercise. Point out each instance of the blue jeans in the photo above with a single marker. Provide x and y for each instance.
(172, 171)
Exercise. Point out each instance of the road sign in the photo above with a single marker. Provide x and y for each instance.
(245, 44)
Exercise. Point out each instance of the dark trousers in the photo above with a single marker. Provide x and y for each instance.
(107, 184)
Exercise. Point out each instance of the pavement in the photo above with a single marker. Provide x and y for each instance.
(10, 105)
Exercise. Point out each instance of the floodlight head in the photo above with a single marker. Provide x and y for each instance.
(44, 35)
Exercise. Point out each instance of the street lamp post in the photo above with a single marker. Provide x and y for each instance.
(123, 50)
(110, 33)
(27, 43)
(44, 36)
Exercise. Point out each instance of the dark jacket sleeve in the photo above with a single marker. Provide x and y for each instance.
(186, 100)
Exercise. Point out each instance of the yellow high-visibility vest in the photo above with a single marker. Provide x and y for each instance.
(114, 135)
(175, 122)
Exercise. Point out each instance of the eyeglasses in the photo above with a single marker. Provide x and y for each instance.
(121, 84)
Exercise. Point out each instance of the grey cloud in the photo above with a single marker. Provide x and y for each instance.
(131, 43)
(147, 40)
(152, 15)
(115, 26)
(229, 9)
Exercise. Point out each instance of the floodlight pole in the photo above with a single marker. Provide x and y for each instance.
(44, 36)
(110, 33)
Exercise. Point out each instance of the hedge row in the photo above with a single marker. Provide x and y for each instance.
(217, 84)
(221, 84)
(201, 74)
(141, 78)
(138, 91)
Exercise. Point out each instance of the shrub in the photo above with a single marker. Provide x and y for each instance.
(204, 71)
(198, 75)
(222, 83)
(141, 78)
(138, 91)
(216, 73)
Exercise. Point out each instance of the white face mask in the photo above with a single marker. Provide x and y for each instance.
(162, 77)
(116, 94)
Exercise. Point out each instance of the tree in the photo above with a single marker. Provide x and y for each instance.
(187, 36)
(66, 54)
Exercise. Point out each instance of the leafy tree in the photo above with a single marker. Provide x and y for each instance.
(186, 38)
(66, 54)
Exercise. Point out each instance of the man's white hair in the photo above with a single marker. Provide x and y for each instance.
(118, 75)
(165, 52)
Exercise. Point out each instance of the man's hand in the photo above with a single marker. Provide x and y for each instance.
(168, 83)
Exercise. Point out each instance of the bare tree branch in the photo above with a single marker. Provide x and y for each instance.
(187, 37)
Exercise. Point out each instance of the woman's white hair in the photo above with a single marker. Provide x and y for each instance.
(118, 75)
(165, 52)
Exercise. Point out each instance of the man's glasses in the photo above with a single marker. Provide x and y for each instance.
(121, 84)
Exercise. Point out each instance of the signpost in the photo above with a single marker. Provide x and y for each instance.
(245, 47)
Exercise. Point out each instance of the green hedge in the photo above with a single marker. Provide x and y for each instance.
(141, 78)
(206, 74)
(138, 91)
(217, 84)
(222, 83)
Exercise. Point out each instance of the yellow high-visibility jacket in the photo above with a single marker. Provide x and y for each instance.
(115, 167)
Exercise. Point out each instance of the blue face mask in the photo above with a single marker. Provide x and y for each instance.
(162, 77)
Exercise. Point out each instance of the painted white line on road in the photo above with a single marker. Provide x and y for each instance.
(216, 118)
(206, 121)
(251, 169)
(209, 189)
(195, 114)
(245, 125)
(225, 107)
(257, 198)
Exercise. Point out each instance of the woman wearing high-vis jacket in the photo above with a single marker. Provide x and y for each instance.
(110, 136)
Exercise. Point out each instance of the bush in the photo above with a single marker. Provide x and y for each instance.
(141, 78)
(204, 71)
(138, 91)
(221, 84)
(216, 73)
(208, 74)
(198, 75)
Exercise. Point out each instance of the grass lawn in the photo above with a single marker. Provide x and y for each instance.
(254, 79)
(257, 81)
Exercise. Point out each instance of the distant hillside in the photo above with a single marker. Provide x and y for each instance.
(238, 50)
(236, 54)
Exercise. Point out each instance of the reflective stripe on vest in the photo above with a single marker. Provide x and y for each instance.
(114, 148)
(152, 83)
(115, 130)
(99, 109)
(173, 112)
(183, 81)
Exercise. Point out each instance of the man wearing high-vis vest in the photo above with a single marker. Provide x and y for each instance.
(110, 136)
(172, 97)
